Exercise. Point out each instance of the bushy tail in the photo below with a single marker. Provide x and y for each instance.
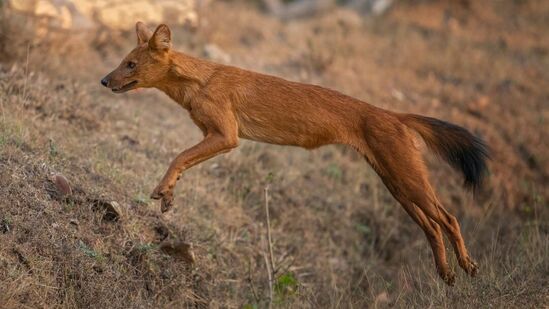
(461, 149)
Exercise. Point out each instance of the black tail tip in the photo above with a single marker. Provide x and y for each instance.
(472, 160)
(464, 151)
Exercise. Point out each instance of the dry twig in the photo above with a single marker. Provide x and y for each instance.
(269, 262)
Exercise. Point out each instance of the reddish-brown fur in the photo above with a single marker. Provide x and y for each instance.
(229, 103)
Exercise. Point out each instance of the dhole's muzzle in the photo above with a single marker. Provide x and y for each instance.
(117, 86)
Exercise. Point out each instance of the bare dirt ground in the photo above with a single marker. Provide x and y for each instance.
(339, 238)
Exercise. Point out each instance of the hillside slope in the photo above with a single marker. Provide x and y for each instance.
(340, 240)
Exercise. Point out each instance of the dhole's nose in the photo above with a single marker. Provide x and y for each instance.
(104, 82)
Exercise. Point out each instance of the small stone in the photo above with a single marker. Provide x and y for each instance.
(62, 185)
(482, 102)
(381, 6)
(179, 249)
(397, 94)
(382, 297)
(113, 210)
(214, 52)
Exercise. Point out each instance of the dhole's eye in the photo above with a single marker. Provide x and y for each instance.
(131, 65)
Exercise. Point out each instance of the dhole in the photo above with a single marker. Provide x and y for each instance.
(229, 103)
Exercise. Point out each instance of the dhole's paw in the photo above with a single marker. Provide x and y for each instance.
(166, 203)
(167, 198)
(470, 266)
(449, 278)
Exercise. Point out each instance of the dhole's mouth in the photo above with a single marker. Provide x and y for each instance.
(125, 88)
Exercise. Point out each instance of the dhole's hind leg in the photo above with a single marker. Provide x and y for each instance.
(451, 226)
(434, 236)
(431, 229)
(415, 188)
(398, 162)
(428, 203)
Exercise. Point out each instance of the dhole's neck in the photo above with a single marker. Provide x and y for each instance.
(186, 77)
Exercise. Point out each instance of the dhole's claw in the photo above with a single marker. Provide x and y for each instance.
(470, 266)
(166, 203)
(474, 269)
(449, 278)
(167, 198)
(159, 192)
(156, 195)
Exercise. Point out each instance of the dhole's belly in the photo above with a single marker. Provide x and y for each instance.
(285, 130)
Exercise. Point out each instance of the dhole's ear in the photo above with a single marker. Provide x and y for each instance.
(143, 33)
(161, 39)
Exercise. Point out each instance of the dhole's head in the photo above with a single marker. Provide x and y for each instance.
(145, 65)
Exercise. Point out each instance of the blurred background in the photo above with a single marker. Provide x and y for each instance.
(77, 163)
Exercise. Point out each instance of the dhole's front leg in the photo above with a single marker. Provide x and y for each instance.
(221, 135)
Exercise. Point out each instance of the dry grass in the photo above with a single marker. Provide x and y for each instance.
(339, 238)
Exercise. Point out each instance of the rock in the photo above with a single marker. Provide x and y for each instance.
(381, 6)
(298, 9)
(178, 249)
(397, 94)
(213, 52)
(62, 185)
(113, 210)
(381, 298)
(482, 102)
(4, 226)
(162, 231)
(372, 7)
(113, 14)
(307, 8)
